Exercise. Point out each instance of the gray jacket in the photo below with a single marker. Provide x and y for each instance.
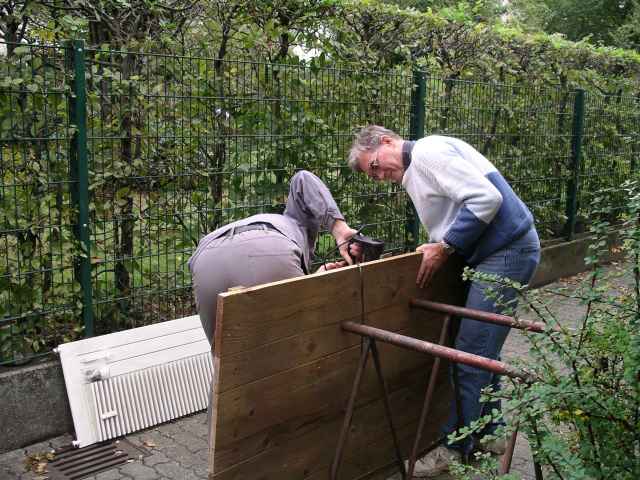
(310, 208)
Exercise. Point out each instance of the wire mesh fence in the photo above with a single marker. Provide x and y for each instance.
(525, 131)
(179, 145)
(610, 154)
(39, 294)
(182, 145)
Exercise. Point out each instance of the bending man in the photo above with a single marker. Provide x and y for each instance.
(469, 209)
(267, 247)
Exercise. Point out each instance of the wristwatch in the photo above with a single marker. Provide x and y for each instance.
(449, 249)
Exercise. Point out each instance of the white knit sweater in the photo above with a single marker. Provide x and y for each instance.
(461, 198)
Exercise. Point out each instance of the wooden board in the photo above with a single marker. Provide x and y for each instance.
(284, 370)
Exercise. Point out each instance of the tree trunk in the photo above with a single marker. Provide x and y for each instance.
(217, 166)
(279, 163)
(449, 84)
(494, 122)
(125, 226)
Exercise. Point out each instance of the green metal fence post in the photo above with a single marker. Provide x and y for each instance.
(576, 161)
(79, 170)
(416, 131)
(635, 146)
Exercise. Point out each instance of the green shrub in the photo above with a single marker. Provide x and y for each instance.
(581, 414)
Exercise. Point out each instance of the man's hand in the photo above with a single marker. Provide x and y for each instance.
(433, 257)
(342, 234)
(331, 266)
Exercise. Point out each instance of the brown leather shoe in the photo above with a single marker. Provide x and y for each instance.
(497, 446)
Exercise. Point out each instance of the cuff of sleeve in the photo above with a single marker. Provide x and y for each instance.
(456, 241)
(330, 219)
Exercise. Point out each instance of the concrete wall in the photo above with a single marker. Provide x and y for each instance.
(566, 259)
(33, 405)
(34, 402)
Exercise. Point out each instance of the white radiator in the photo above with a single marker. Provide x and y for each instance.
(130, 380)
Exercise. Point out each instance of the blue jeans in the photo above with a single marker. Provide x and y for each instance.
(518, 261)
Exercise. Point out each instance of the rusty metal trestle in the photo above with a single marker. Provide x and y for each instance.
(371, 334)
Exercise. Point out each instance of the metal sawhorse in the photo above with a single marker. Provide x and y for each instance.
(371, 334)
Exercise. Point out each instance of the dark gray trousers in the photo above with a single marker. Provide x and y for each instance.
(240, 259)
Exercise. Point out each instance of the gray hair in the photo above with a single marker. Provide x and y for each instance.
(367, 140)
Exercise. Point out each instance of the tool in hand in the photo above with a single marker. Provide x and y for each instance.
(371, 248)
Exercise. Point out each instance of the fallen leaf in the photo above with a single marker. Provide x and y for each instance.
(41, 467)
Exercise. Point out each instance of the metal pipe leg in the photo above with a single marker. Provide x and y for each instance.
(348, 416)
(507, 457)
(387, 406)
(427, 398)
(538, 470)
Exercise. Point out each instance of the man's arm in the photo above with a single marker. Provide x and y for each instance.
(480, 201)
(463, 182)
(311, 204)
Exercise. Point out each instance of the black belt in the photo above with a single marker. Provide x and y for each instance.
(249, 228)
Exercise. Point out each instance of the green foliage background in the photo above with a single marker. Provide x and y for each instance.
(579, 408)
(199, 112)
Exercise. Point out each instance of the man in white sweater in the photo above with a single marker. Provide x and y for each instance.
(468, 209)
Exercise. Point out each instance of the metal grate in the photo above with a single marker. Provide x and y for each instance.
(75, 463)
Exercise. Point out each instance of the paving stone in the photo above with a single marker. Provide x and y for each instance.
(12, 458)
(202, 469)
(10, 470)
(113, 474)
(197, 426)
(40, 447)
(189, 441)
(171, 470)
(61, 441)
(181, 455)
(155, 458)
(203, 455)
(138, 471)
(172, 427)
(195, 418)
(191, 475)
(148, 439)
(137, 438)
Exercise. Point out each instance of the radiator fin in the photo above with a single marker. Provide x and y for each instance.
(155, 395)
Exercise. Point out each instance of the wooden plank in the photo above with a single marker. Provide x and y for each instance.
(376, 459)
(281, 309)
(368, 452)
(308, 391)
(285, 369)
(278, 356)
(254, 443)
(313, 389)
(309, 455)
(259, 315)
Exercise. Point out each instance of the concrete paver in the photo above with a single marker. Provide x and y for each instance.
(178, 450)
